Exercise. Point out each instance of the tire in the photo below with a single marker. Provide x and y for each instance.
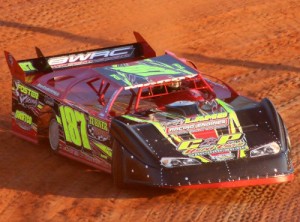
(54, 135)
(117, 165)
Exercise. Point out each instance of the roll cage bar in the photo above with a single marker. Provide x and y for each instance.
(197, 83)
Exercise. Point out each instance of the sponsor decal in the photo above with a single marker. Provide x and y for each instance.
(222, 156)
(47, 89)
(27, 101)
(23, 120)
(98, 133)
(26, 96)
(27, 91)
(98, 129)
(98, 123)
(91, 57)
(225, 143)
(207, 117)
(199, 126)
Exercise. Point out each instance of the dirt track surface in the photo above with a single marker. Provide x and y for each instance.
(254, 45)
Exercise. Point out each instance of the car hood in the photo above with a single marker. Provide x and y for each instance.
(223, 134)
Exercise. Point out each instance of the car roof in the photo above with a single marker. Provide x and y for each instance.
(128, 75)
(142, 72)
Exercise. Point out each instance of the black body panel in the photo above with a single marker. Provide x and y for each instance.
(144, 146)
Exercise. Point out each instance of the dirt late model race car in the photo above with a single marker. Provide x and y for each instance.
(147, 119)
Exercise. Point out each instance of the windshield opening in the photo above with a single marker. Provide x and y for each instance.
(157, 96)
(163, 94)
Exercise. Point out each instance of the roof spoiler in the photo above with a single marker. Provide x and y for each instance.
(26, 70)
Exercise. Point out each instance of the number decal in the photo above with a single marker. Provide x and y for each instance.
(27, 66)
(72, 125)
(70, 120)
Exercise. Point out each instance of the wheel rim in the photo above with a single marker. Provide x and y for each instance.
(54, 135)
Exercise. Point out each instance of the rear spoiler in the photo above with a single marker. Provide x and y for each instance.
(27, 70)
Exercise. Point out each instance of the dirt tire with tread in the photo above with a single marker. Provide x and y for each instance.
(54, 135)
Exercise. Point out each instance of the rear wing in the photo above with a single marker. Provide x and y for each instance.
(27, 70)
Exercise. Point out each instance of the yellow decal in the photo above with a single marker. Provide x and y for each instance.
(234, 124)
(70, 119)
(98, 123)
(23, 89)
(192, 144)
(203, 159)
(104, 148)
(225, 143)
(58, 119)
(23, 117)
(227, 138)
(27, 66)
(207, 117)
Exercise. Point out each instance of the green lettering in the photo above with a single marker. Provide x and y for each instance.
(98, 123)
(231, 137)
(28, 91)
(27, 66)
(23, 117)
(192, 144)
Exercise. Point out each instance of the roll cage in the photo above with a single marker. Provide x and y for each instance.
(162, 93)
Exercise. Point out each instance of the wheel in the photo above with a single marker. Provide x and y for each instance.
(54, 135)
(117, 165)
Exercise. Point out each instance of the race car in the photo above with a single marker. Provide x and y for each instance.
(148, 119)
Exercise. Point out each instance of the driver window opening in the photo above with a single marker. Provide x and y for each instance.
(93, 93)
(124, 103)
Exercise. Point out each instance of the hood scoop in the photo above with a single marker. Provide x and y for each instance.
(185, 108)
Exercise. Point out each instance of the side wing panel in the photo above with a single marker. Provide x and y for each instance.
(29, 110)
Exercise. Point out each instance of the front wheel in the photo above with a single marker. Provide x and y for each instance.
(54, 135)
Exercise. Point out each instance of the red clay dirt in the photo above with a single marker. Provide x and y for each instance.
(254, 45)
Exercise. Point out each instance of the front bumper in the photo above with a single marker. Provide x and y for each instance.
(242, 172)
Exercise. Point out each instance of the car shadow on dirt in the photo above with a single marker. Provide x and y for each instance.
(36, 169)
(56, 32)
(199, 58)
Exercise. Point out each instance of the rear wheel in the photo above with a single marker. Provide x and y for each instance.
(54, 135)
(117, 165)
